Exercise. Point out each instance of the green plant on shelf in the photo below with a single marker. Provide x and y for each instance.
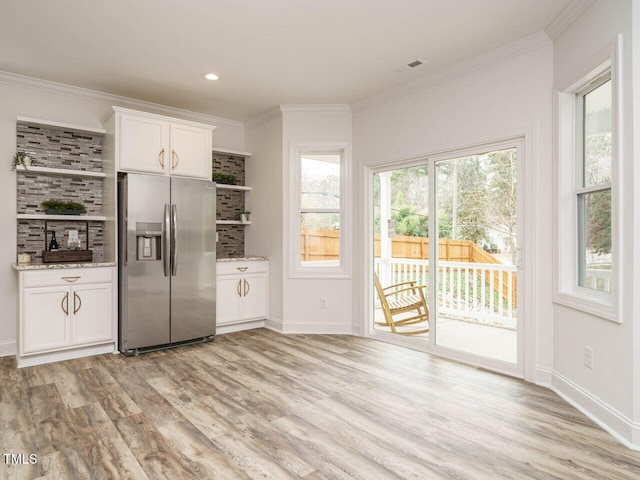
(61, 207)
(225, 178)
(22, 159)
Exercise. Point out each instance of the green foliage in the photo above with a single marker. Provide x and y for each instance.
(20, 158)
(598, 171)
(62, 207)
(225, 178)
(409, 222)
(599, 223)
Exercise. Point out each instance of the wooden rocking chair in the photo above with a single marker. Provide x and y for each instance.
(402, 298)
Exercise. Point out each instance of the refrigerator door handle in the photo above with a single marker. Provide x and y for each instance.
(166, 241)
(174, 240)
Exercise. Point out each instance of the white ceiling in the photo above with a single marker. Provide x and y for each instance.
(267, 52)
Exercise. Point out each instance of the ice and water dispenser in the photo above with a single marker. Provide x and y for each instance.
(148, 241)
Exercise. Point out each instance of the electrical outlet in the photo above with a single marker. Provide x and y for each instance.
(588, 357)
(323, 302)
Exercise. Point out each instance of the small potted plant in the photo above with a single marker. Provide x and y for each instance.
(244, 217)
(74, 208)
(21, 159)
(225, 178)
(59, 207)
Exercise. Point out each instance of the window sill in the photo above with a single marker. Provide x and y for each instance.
(590, 306)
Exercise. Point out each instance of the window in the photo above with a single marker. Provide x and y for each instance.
(586, 257)
(318, 223)
(593, 192)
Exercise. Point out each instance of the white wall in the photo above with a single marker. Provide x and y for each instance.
(608, 391)
(302, 296)
(265, 202)
(505, 97)
(295, 302)
(636, 210)
(58, 103)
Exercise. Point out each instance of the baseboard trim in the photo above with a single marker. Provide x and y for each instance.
(8, 348)
(237, 327)
(274, 324)
(318, 328)
(544, 377)
(623, 429)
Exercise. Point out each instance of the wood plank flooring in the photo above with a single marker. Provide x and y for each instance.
(257, 404)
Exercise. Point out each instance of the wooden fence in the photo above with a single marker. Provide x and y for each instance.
(321, 244)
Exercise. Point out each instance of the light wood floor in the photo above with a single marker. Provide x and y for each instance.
(257, 404)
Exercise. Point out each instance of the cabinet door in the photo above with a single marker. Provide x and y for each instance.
(228, 299)
(256, 296)
(91, 307)
(143, 144)
(45, 323)
(191, 151)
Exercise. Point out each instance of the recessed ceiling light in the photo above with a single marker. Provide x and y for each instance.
(210, 76)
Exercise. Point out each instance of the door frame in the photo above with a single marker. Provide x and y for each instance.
(526, 271)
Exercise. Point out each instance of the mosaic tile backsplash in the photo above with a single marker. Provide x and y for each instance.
(230, 203)
(64, 149)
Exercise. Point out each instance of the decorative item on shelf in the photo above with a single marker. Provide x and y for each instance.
(244, 217)
(49, 255)
(59, 207)
(225, 178)
(73, 242)
(53, 244)
(22, 158)
(24, 258)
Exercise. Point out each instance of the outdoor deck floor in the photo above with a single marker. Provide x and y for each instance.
(485, 340)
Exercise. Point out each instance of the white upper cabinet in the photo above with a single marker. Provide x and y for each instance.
(191, 154)
(151, 143)
(142, 142)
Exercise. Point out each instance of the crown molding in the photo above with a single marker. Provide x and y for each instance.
(316, 108)
(567, 17)
(479, 62)
(264, 117)
(281, 110)
(22, 81)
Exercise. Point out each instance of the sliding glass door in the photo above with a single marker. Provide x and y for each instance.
(476, 200)
(446, 248)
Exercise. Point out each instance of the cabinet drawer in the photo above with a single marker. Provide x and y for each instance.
(67, 276)
(241, 268)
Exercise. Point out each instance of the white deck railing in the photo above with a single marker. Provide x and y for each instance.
(598, 279)
(469, 291)
(472, 291)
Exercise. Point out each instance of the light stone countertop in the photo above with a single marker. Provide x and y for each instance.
(251, 258)
(54, 266)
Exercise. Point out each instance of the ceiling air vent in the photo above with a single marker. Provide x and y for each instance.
(416, 63)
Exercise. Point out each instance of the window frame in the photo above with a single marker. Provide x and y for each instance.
(297, 151)
(580, 190)
(569, 185)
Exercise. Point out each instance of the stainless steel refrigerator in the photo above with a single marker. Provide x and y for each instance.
(167, 261)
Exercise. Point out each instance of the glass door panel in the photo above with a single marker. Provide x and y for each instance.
(401, 251)
(476, 205)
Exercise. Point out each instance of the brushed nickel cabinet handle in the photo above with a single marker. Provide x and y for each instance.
(76, 296)
(175, 156)
(239, 287)
(242, 269)
(161, 158)
(71, 279)
(246, 288)
(66, 297)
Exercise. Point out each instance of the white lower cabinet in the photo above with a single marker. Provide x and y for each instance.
(242, 292)
(65, 313)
